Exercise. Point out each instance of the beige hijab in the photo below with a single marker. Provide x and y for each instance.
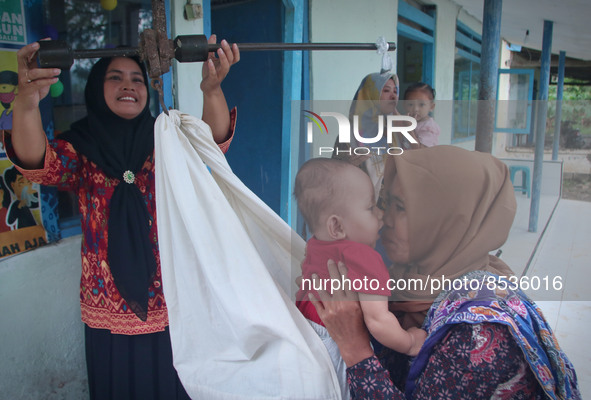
(460, 206)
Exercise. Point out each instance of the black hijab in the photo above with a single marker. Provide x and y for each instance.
(118, 145)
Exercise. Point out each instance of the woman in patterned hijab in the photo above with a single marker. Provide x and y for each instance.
(447, 209)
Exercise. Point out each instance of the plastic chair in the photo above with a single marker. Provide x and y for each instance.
(525, 187)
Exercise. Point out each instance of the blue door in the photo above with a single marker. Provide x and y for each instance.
(254, 86)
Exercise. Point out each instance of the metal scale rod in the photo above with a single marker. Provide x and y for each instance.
(132, 51)
(187, 48)
(304, 46)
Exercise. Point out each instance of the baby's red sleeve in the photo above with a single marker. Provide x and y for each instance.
(366, 270)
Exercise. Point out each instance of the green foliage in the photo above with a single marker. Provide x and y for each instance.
(576, 108)
(571, 91)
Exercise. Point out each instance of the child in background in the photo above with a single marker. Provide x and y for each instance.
(338, 203)
(419, 103)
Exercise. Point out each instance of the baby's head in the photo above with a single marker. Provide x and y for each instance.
(418, 100)
(337, 201)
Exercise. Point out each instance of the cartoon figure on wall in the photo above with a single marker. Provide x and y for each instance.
(8, 86)
(4, 206)
(8, 90)
(21, 201)
(25, 197)
(21, 228)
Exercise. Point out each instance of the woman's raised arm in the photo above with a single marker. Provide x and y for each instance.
(215, 108)
(28, 137)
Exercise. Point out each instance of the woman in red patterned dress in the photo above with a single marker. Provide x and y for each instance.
(107, 158)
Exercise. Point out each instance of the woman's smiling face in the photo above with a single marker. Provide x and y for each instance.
(125, 91)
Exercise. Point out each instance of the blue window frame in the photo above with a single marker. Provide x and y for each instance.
(466, 82)
(416, 38)
(514, 106)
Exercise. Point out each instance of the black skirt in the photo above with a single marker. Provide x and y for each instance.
(129, 367)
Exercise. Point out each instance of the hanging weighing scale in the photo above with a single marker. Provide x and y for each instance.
(157, 50)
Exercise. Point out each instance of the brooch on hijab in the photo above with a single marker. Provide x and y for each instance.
(128, 177)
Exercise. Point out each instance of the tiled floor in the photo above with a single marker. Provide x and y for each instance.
(564, 255)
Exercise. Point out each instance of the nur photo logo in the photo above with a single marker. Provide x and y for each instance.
(387, 125)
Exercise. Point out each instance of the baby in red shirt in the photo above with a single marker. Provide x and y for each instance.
(338, 203)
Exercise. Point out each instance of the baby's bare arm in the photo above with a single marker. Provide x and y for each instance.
(384, 326)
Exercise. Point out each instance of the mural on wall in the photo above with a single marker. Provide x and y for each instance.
(20, 212)
(21, 226)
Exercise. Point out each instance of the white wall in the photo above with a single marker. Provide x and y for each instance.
(41, 335)
(336, 75)
(445, 39)
(445, 48)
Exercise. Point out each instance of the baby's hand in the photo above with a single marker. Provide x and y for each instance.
(419, 337)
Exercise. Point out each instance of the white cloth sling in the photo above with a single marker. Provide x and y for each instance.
(226, 263)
